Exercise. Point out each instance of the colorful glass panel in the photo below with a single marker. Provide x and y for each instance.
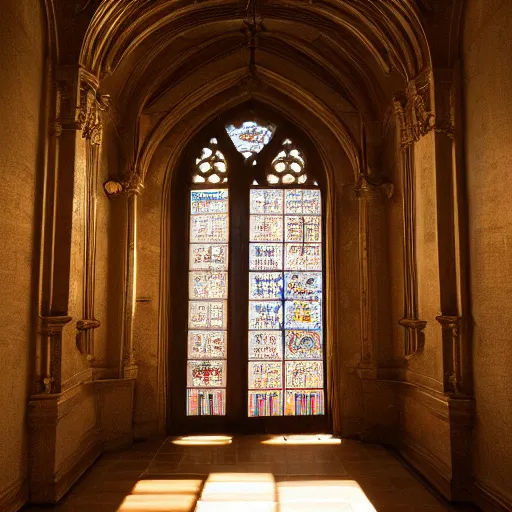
(303, 285)
(266, 200)
(206, 402)
(266, 228)
(304, 374)
(208, 285)
(265, 285)
(207, 315)
(265, 403)
(265, 256)
(303, 256)
(209, 228)
(265, 315)
(265, 375)
(304, 402)
(209, 201)
(297, 353)
(250, 137)
(303, 314)
(302, 228)
(303, 345)
(266, 345)
(208, 256)
(206, 374)
(207, 344)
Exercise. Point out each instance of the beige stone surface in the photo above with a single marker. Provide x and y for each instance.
(21, 79)
(487, 46)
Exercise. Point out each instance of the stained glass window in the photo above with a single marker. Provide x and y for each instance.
(250, 137)
(211, 165)
(208, 293)
(285, 298)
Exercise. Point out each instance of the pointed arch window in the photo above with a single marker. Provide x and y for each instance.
(281, 235)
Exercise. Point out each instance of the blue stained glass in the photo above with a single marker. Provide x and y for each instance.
(300, 314)
(265, 256)
(265, 315)
(303, 285)
(209, 201)
(303, 345)
(265, 285)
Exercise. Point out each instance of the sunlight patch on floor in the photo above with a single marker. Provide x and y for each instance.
(203, 440)
(314, 439)
(246, 492)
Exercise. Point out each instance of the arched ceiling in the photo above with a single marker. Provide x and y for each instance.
(340, 57)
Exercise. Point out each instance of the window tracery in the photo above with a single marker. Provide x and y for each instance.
(288, 167)
(211, 166)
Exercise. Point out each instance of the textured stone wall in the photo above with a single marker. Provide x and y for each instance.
(487, 47)
(21, 72)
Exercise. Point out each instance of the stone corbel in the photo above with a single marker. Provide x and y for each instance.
(82, 327)
(414, 339)
(49, 378)
(451, 327)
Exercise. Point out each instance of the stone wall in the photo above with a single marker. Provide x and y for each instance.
(487, 47)
(21, 71)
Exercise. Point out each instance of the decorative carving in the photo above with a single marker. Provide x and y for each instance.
(113, 188)
(51, 350)
(413, 110)
(133, 183)
(88, 115)
(451, 327)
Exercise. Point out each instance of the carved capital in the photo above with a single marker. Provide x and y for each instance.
(133, 183)
(86, 324)
(414, 109)
(79, 104)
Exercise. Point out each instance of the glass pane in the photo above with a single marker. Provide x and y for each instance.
(265, 403)
(303, 345)
(250, 137)
(303, 285)
(266, 201)
(265, 375)
(209, 201)
(304, 402)
(265, 256)
(265, 285)
(297, 305)
(206, 374)
(265, 315)
(266, 228)
(266, 345)
(303, 201)
(206, 402)
(303, 228)
(207, 345)
(303, 256)
(300, 314)
(208, 256)
(207, 315)
(304, 374)
(209, 228)
(208, 285)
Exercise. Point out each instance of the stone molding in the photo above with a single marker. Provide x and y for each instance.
(14, 496)
(489, 498)
(451, 334)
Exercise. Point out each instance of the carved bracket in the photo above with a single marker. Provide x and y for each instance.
(414, 339)
(82, 338)
(49, 374)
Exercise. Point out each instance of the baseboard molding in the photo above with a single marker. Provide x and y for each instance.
(436, 472)
(490, 499)
(13, 497)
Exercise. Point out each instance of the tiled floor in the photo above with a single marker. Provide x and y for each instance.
(247, 475)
